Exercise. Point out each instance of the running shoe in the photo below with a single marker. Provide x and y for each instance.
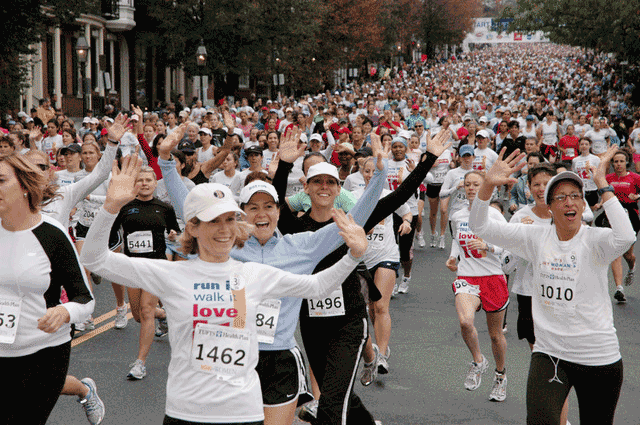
(628, 279)
(89, 325)
(370, 370)
(121, 317)
(499, 390)
(79, 327)
(383, 362)
(92, 405)
(441, 244)
(309, 412)
(474, 377)
(395, 290)
(96, 279)
(434, 239)
(138, 370)
(505, 329)
(619, 296)
(420, 239)
(162, 328)
(403, 288)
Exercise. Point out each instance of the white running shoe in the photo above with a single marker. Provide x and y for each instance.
(395, 290)
(383, 362)
(138, 370)
(499, 390)
(474, 377)
(441, 244)
(434, 240)
(420, 239)
(121, 317)
(403, 288)
(92, 404)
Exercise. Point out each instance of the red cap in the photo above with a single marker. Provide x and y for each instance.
(104, 132)
(415, 107)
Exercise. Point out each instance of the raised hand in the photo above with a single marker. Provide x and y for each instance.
(600, 177)
(229, 121)
(136, 110)
(118, 128)
(353, 235)
(290, 147)
(171, 141)
(123, 188)
(502, 169)
(377, 150)
(439, 143)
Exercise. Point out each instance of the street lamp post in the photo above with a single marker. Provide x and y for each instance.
(201, 59)
(82, 49)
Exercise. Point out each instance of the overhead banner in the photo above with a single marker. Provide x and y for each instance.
(491, 31)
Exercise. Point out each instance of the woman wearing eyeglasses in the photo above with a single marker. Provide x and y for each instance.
(576, 343)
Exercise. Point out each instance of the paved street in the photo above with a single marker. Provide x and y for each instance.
(428, 363)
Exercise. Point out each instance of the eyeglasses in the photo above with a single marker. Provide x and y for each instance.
(562, 198)
(418, 126)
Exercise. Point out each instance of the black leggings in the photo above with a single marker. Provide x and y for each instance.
(32, 384)
(597, 388)
(168, 420)
(333, 356)
(405, 242)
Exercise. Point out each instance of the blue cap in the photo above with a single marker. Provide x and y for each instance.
(530, 118)
(467, 150)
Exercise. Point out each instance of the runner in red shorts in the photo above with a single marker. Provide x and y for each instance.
(480, 284)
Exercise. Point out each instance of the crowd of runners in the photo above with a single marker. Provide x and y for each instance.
(225, 228)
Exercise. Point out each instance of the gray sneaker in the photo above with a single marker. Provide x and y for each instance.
(499, 390)
(628, 279)
(619, 296)
(121, 317)
(162, 328)
(370, 370)
(138, 370)
(92, 404)
(309, 412)
(474, 377)
(434, 239)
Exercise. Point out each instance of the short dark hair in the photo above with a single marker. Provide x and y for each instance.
(513, 123)
(542, 168)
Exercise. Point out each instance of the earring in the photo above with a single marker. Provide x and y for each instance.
(25, 194)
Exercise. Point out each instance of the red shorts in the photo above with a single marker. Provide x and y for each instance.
(492, 290)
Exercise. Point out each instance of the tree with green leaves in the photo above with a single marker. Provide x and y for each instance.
(602, 25)
(25, 22)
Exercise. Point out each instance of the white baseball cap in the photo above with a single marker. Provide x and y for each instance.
(483, 133)
(209, 200)
(257, 186)
(323, 168)
(205, 130)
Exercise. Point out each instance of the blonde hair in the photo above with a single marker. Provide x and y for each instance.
(189, 244)
(33, 180)
(147, 169)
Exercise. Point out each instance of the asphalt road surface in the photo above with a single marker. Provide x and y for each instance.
(428, 362)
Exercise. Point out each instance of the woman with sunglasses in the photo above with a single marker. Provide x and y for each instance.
(576, 343)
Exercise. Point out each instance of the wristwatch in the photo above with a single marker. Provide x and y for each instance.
(609, 188)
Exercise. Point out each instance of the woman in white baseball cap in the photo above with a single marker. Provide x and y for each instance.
(211, 301)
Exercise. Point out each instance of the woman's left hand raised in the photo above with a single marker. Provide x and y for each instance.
(351, 232)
